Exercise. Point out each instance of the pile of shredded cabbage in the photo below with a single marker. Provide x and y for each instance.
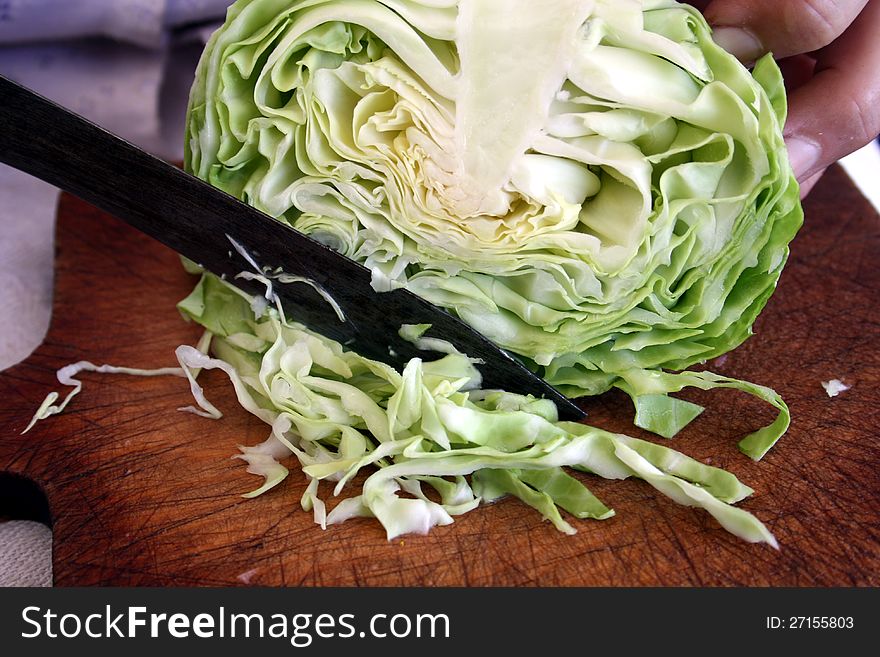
(423, 431)
(420, 432)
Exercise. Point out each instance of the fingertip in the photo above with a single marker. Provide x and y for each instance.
(808, 184)
(739, 42)
(804, 155)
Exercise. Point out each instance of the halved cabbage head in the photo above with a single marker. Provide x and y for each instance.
(593, 184)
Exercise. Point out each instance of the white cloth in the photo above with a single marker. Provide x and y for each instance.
(126, 65)
(141, 22)
(25, 554)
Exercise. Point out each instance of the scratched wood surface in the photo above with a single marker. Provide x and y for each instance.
(143, 495)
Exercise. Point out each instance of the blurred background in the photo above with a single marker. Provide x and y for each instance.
(126, 65)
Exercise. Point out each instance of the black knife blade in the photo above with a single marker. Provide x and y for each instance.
(197, 220)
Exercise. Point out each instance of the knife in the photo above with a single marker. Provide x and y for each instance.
(203, 223)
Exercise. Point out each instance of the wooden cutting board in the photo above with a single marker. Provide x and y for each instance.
(141, 494)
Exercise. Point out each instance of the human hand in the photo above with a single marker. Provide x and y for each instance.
(830, 56)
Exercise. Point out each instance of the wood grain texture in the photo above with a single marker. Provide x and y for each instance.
(143, 495)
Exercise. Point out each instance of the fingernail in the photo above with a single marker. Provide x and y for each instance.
(739, 42)
(804, 156)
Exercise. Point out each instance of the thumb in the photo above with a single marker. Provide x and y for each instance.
(752, 28)
(838, 110)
